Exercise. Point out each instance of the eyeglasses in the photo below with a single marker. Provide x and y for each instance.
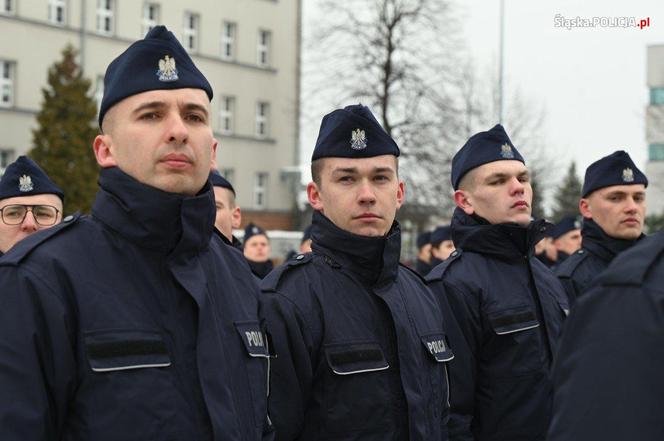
(45, 215)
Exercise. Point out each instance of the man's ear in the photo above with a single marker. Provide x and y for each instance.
(103, 152)
(213, 162)
(584, 208)
(462, 200)
(236, 217)
(401, 194)
(313, 193)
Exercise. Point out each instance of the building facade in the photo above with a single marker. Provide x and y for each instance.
(248, 49)
(655, 130)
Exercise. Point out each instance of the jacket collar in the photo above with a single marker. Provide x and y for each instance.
(374, 260)
(152, 218)
(504, 241)
(604, 246)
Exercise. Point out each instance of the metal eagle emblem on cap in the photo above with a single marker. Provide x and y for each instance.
(25, 183)
(628, 175)
(506, 152)
(167, 71)
(358, 140)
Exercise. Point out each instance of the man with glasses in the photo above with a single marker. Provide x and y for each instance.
(29, 202)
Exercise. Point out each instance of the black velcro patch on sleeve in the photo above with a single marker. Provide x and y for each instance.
(121, 348)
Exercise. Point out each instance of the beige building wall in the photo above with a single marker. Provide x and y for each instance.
(655, 130)
(30, 42)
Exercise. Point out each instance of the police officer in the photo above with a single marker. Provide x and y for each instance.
(509, 307)
(613, 205)
(608, 382)
(228, 215)
(29, 202)
(359, 340)
(441, 245)
(566, 236)
(257, 250)
(137, 322)
(423, 262)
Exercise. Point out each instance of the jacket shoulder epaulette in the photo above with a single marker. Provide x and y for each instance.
(631, 267)
(567, 268)
(23, 248)
(271, 281)
(438, 272)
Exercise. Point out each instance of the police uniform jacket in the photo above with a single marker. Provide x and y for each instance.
(608, 382)
(508, 309)
(598, 249)
(135, 323)
(359, 341)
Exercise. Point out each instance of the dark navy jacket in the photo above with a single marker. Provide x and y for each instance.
(135, 323)
(508, 309)
(608, 382)
(360, 346)
(597, 251)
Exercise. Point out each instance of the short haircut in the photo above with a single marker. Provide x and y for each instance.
(107, 122)
(316, 170)
(467, 182)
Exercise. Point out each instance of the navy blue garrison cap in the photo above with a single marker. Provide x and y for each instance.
(219, 181)
(615, 169)
(352, 132)
(441, 233)
(25, 178)
(482, 148)
(157, 62)
(423, 239)
(565, 225)
(253, 230)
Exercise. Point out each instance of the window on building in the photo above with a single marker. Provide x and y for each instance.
(7, 7)
(57, 11)
(226, 113)
(105, 22)
(228, 40)
(262, 119)
(657, 95)
(263, 48)
(190, 32)
(6, 157)
(6, 83)
(260, 190)
(656, 152)
(99, 91)
(150, 16)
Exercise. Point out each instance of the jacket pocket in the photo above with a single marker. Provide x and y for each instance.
(516, 347)
(130, 372)
(258, 367)
(356, 387)
(439, 352)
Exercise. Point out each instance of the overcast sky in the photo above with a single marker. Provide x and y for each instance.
(591, 81)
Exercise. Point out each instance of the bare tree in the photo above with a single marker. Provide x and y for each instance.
(404, 59)
(399, 58)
